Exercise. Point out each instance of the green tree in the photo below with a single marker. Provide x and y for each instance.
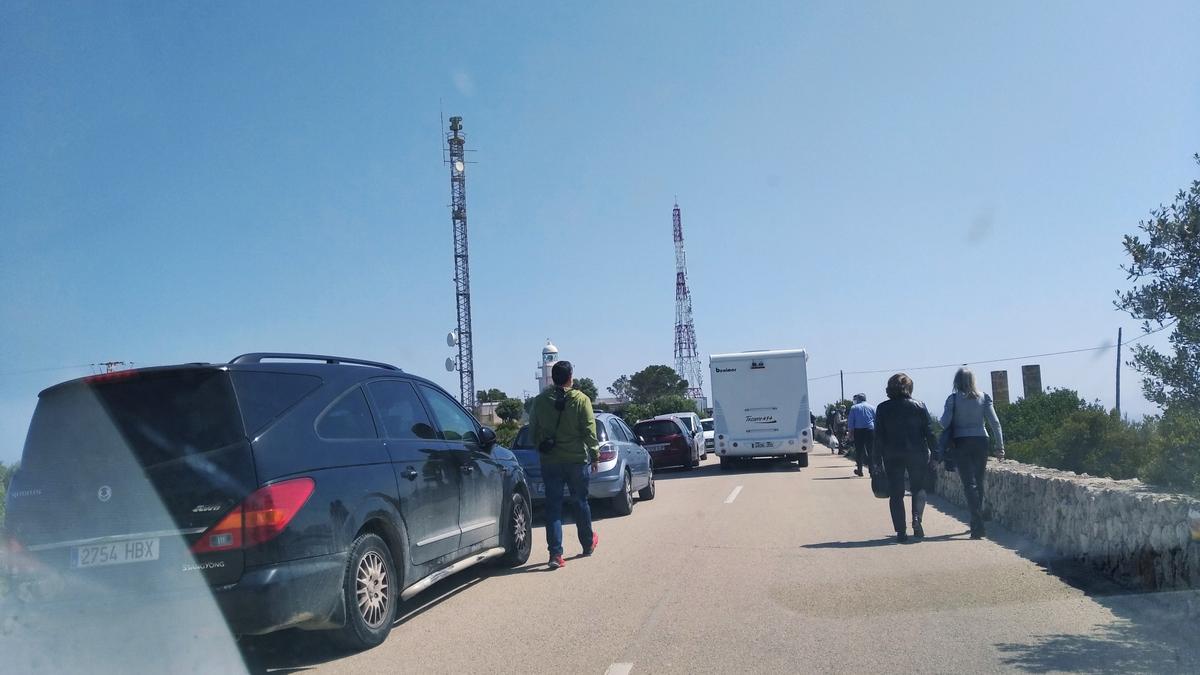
(6, 474)
(672, 403)
(506, 433)
(510, 409)
(1036, 416)
(588, 387)
(1165, 268)
(490, 396)
(633, 413)
(1175, 451)
(654, 382)
(621, 388)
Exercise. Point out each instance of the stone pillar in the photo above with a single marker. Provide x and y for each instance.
(1031, 376)
(1000, 387)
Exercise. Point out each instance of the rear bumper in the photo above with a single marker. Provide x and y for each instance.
(601, 486)
(305, 593)
(671, 458)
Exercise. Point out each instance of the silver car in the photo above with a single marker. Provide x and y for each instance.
(624, 466)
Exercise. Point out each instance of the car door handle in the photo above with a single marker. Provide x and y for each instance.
(410, 473)
(466, 468)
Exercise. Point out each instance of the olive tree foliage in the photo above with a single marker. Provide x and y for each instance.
(1164, 267)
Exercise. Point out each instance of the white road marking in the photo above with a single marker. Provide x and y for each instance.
(733, 495)
(619, 669)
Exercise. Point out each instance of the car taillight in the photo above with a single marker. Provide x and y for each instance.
(607, 454)
(259, 518)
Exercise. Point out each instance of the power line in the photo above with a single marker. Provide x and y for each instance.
(1009, 358)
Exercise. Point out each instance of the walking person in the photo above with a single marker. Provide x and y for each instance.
(835, 428)
(862, 431)
(562, 427)
(968, 409)
(904, 439)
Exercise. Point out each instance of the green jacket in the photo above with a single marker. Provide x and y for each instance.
(574, 428)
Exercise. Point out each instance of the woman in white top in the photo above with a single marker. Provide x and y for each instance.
(968, 409)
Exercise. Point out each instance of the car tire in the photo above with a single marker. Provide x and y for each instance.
(802, 460)
(647, 493)
(518, 532)
(622, 504)
(371, 591)
(726, 464)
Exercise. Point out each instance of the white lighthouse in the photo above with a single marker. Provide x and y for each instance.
(549, 358)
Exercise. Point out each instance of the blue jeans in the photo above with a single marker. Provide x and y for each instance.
(576, 477)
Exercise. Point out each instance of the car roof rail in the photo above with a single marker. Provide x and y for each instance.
(259, 357)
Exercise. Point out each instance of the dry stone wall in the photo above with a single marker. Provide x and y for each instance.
(1122, 527)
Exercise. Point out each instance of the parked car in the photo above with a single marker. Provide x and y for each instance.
(306, 491)
(695, 431)
(709, 435)
(668, 441)
(625, 466)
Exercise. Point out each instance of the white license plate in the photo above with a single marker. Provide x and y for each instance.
(118, 553)
(761, 444)
(656, 447)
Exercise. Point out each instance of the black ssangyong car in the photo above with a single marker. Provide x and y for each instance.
(309, 491)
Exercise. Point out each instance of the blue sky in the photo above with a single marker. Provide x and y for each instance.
(888, 185)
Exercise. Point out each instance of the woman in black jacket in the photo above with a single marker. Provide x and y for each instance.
(904, 438)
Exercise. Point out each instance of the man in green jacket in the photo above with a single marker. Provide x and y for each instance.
(562, 427)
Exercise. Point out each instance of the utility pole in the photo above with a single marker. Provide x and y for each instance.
(842, 378)
(1118, 372)
(687, 356)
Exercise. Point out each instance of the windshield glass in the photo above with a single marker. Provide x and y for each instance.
(896, 368)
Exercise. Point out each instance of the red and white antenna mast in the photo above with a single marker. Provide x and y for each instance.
(687, 357)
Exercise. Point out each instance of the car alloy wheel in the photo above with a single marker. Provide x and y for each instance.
(518, 536)
(371, 584)
(623, 502)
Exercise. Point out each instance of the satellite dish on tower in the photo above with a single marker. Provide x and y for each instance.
(450, 364)
(451, 339)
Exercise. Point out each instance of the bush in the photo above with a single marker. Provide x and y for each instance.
(506, 433)
(1090, 441)
(1175, 444)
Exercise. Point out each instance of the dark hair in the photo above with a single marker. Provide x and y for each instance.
(561, 373)
(899, 386)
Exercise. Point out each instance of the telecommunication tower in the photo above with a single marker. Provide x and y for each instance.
(687, 358)
(462, 272)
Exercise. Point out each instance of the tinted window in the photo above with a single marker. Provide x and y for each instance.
(688, 422)
(601, 432)
(349, 418)
(707, 425)
(159, 416)
(657, 428)
(523, 439)
(615, 431)
(455, 423)
(400, 410)
(263, 397)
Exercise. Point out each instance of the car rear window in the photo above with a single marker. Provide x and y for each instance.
(522, 441)
(687, 422)
(264, 397)
(160, 416)
(656, 428)
(707, 425)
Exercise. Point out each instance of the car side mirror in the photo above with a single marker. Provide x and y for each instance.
(641, 440)
(487, 438)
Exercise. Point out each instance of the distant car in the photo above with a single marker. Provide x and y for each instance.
(625, 466)
(707, 425)
(695, 431)
(299, 490)
(669, 442)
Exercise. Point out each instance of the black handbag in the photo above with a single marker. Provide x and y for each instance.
(879, 483)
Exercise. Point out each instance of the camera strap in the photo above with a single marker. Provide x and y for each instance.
(560, 403)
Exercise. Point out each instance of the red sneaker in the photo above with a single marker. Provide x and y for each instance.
(556, 561)
(595, 543)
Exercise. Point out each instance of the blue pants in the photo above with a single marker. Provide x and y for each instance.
(576, 477)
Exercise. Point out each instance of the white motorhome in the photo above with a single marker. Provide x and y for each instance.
(760, 405)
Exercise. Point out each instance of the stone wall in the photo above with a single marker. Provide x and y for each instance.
(1123, 528)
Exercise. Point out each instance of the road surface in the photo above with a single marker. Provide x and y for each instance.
(769, 569)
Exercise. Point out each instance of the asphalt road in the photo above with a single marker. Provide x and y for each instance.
(770, 569)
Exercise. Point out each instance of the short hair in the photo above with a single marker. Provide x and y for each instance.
(899, 386)
(561, 373)
(964, 383)
(860, 398)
